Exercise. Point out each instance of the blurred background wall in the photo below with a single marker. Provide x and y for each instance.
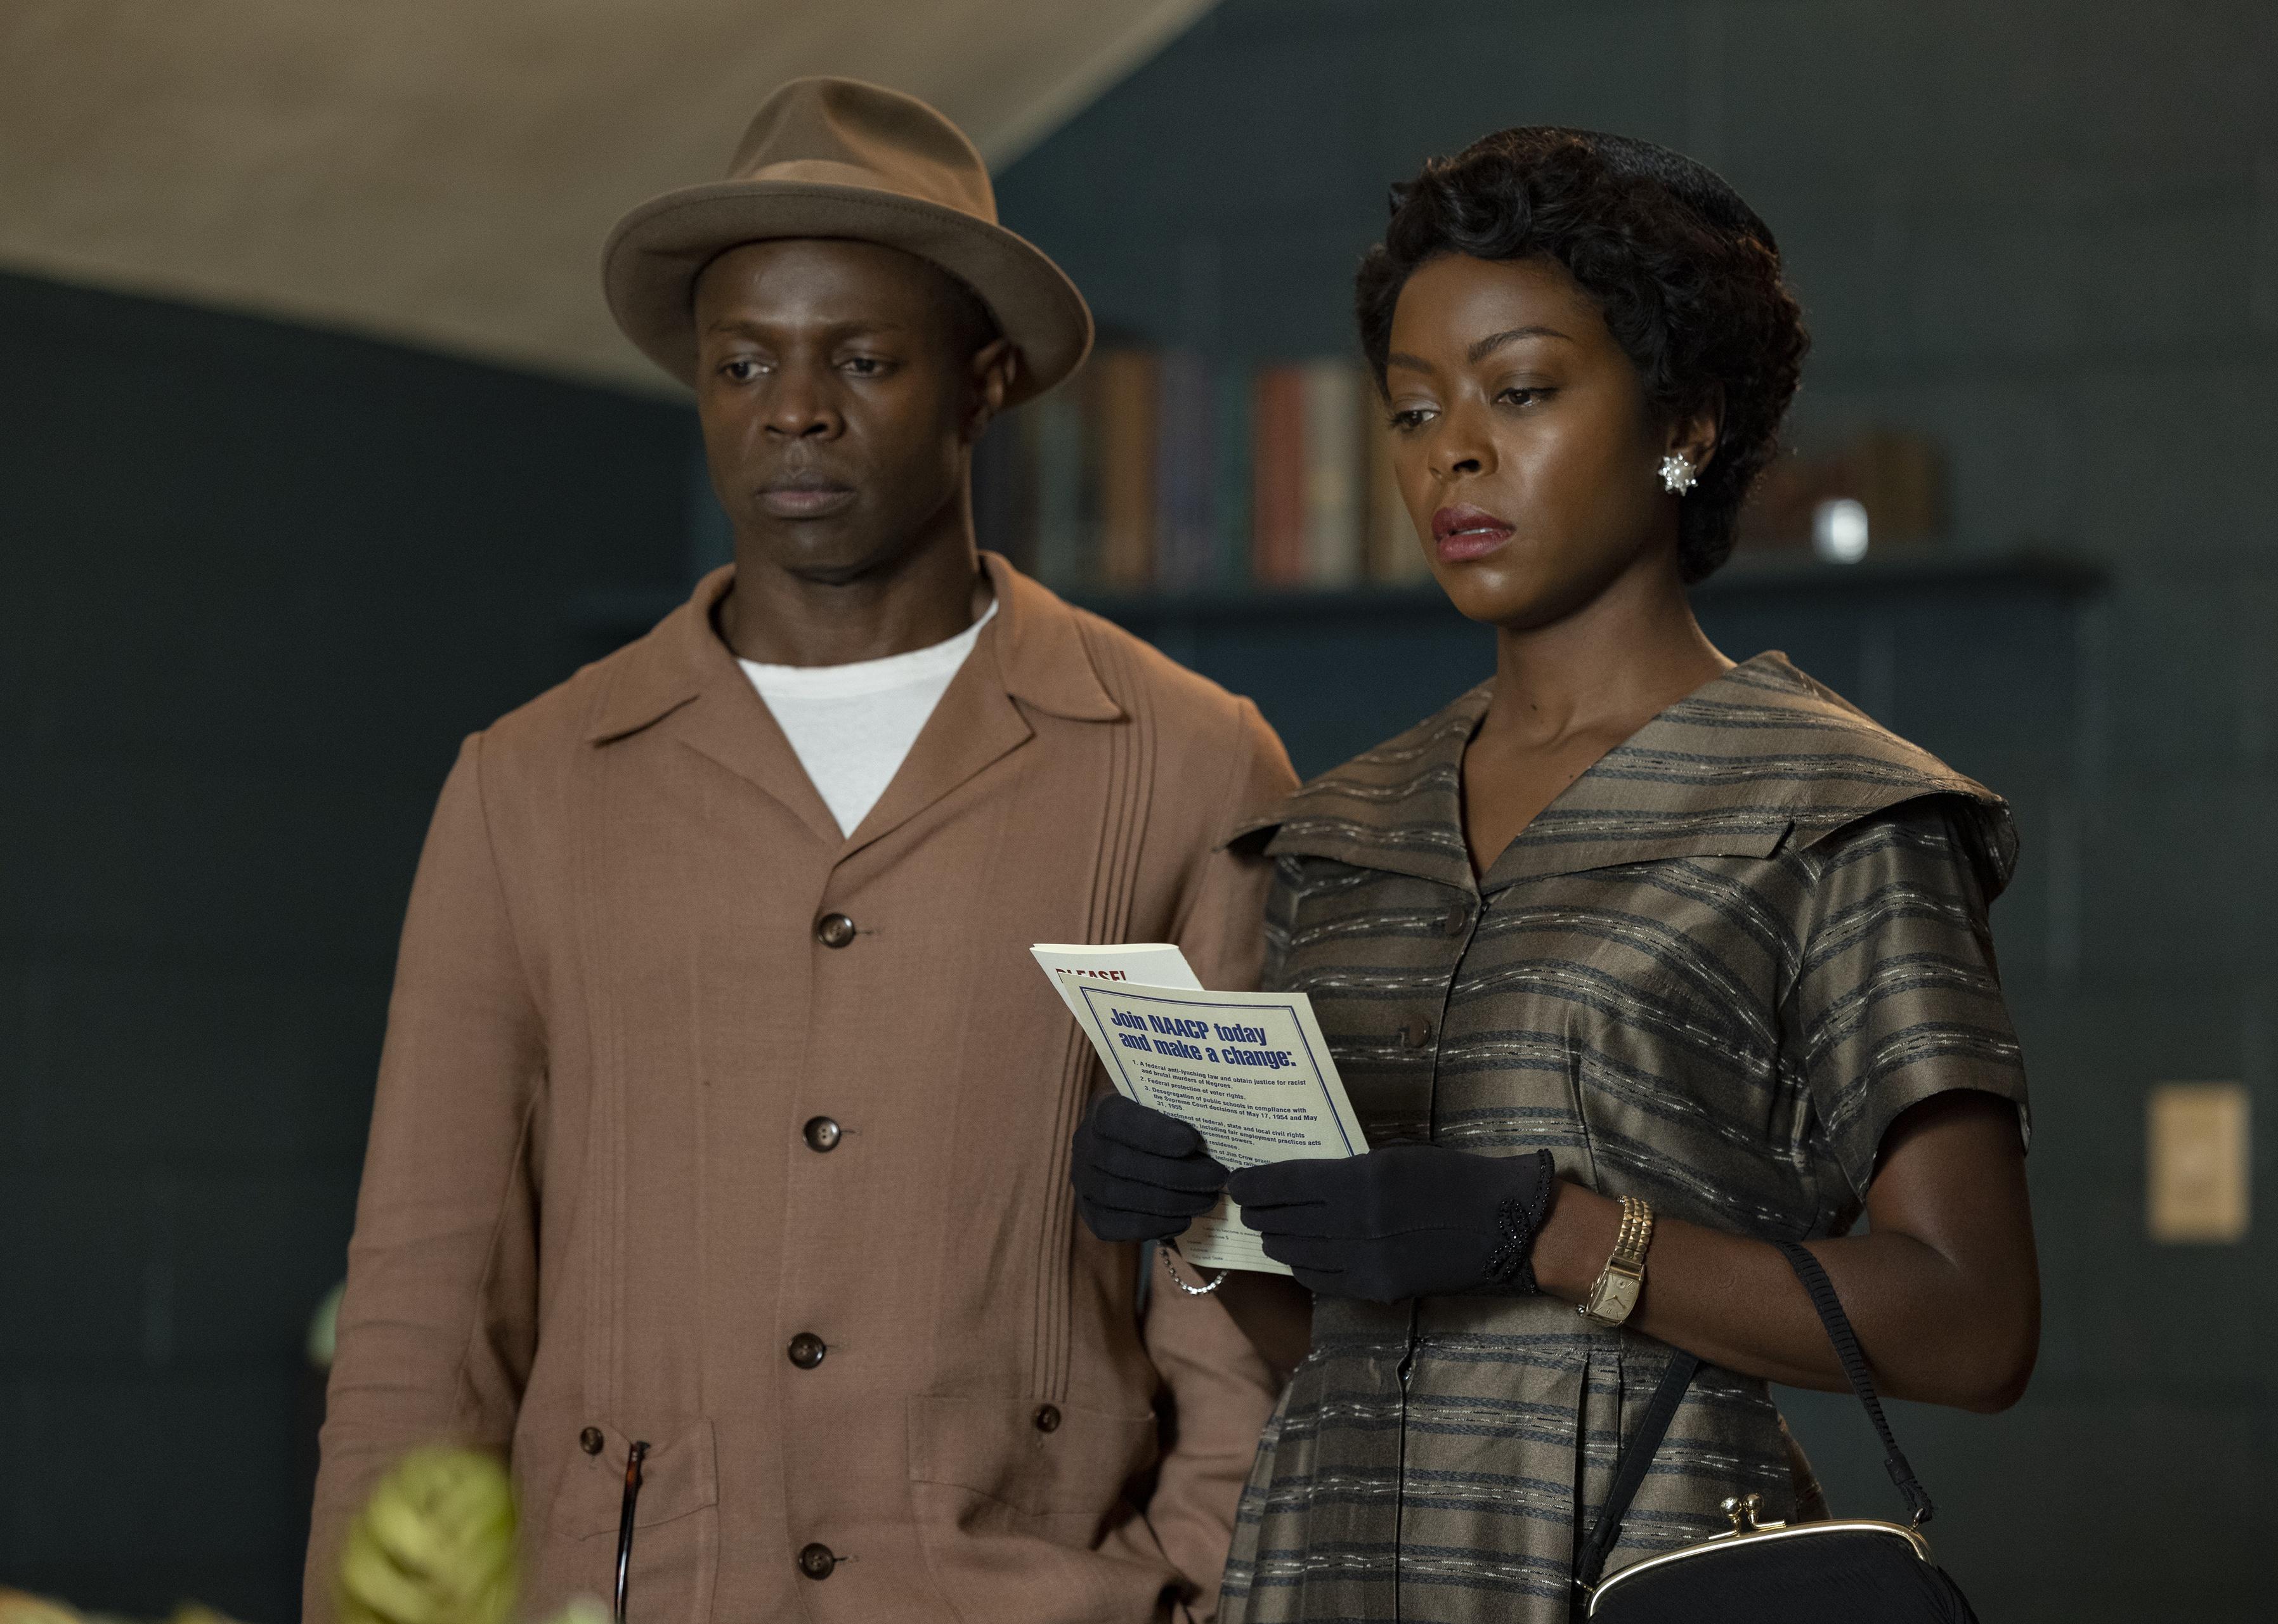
(256, 579)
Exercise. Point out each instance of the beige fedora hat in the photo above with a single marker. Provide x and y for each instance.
(836, 157)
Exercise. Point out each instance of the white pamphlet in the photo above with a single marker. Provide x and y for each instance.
(1250, 1071)
(1143, 964)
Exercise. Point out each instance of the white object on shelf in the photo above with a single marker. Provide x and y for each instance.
(1838, 531)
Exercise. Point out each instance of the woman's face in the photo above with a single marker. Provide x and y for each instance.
(1524, 448)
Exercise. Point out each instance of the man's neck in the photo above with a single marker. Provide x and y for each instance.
(779, 617)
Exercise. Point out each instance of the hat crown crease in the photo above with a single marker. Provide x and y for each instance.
(869, 137)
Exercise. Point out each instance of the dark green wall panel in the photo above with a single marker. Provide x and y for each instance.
(255, 582)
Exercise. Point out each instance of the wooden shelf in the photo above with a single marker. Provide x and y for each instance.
(2046, 568)
(606, 620)
(1750, 575)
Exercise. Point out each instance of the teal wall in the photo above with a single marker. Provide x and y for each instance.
(2045, 235)
(256, 583)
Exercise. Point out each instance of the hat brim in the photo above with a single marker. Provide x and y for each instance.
(650, 265)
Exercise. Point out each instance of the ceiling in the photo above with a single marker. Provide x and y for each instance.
(442, 172)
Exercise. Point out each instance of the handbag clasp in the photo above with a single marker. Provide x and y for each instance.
(1742, 1509)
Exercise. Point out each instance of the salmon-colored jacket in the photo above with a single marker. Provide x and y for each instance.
(594, 1211)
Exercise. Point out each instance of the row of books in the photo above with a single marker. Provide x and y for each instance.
(1164, 471)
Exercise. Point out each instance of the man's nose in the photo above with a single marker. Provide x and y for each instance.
(800, 407)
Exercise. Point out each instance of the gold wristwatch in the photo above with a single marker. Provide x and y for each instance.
(1615, 1295)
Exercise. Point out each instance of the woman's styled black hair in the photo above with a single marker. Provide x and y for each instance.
(1685, 275)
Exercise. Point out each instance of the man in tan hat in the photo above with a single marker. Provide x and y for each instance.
(718, 1171)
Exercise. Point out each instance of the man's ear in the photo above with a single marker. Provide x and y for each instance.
(994, 367)
(1693, 435)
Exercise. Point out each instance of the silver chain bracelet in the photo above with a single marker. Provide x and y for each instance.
(1169, 1248)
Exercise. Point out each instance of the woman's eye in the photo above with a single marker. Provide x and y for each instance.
(865, 366)
(742, 370)
(1523, 394)
(1409, 419)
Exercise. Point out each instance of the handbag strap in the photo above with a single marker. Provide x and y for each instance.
(1629, 1473)
(1661, 1410)
(1855, 1365)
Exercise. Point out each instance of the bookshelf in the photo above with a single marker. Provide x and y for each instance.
(1336, 671)
(1166, 469)
(1748, 577)
(1921, 633)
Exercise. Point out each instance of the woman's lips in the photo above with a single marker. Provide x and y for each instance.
(1465, 532)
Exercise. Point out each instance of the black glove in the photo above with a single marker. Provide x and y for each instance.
(1140, 1175)
(1405, 1221)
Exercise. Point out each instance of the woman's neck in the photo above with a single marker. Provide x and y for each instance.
(1606, 669)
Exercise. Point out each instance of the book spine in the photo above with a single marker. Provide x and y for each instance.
(1127, 396)
(1333, 455)
(1394, 553)
(1277, 536)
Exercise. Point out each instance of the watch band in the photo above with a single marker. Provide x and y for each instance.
(1614, 1297)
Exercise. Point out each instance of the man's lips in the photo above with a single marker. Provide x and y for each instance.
(805, 496)
(1465, 532)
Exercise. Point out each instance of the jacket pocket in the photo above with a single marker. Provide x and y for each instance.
(1046, 1461)
(1014, 1500)
(675, 1550)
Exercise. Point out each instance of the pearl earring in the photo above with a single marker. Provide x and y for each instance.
(1677, 475)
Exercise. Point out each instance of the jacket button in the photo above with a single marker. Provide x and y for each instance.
(1048, 1418)
(1458, 920)
(1416, 1033)
(820, 1133)
(807, 1350)
(590, 1440)
(834, 930)
(816, 1561)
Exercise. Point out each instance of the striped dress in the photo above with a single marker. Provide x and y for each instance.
(1711, 975)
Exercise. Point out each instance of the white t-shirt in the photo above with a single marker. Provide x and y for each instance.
(852, 726)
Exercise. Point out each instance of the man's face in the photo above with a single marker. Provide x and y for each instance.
(840, 391)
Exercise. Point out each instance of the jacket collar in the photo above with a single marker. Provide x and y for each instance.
(1041, 657)
(1759, 759)
(681, 677)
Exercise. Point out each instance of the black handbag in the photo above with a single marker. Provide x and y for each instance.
(1855, 1571)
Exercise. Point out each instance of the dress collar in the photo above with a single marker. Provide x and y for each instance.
(1756, 759)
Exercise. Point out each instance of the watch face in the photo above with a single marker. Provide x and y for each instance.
(1616, 1296)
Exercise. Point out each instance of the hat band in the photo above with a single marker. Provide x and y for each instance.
(827, 172)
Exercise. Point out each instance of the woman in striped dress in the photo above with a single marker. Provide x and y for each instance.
(1628, 929)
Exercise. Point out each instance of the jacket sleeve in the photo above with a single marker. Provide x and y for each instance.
(438, 1323)
(1217, 1391)
(1220, 1395)
(1221, 916)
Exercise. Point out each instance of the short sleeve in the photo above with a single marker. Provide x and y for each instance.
(1897, 996)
